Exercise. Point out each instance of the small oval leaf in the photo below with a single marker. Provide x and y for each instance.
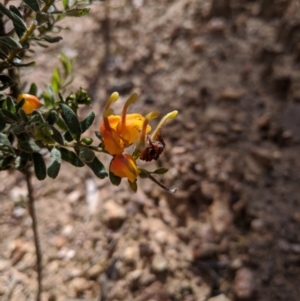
(29, 146)
(115, 180)
(33, 4)
(160, 171)
(54, 164)
(39, 166)
(71, 121)
(70, 157)
(57, 136)
(98, 168)
(87, 122)
(86, 155)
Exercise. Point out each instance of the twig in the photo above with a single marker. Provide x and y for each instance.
(35, 233)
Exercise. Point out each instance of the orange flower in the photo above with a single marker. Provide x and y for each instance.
(31, 103)
(124, 166)
(120, 131)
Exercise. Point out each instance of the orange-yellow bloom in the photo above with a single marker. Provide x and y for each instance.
(120, 131)
(124, 166)
(31, 103)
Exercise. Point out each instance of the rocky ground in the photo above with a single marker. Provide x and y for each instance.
(231, 232)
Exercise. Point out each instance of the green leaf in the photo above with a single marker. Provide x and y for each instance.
(4, 140)
(38, 116)
(10, 105)
(56, 80)
(52, 117)
(86, 154)
(70, 157)
(57, 136)
(160, 171)
(50, 39)
(71, 121)
(33, 89)
(16, 11)
(133, 186)
(29, 146)
(39, 166)
(61, 124)
(6, 162)
(18, 129)
(98, 168)
(87, 122)
(54, 164)
(5, 82)
(77, 12)
(10, 43)
(21, 161)
(33, 4)
(16, 62)
(19, 104)
(23, 115)
(15, 16)
(2, 124)
(144, 174)
(9, 117)
(115, 180)
(67, 63)
(68, 137)
(42, 18)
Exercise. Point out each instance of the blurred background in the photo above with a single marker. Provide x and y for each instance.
(232, 230)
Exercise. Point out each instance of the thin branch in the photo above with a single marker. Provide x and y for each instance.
(35, 233)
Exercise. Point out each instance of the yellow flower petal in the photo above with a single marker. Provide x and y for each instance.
(31, 103)
(124, 166)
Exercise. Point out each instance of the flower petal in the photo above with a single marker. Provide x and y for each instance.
(31, 103)
(124, 166)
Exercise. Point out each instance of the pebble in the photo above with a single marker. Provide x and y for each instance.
(159, 264)
(94, 271)
(80, 284)
(221, 216)
(244, 283)
(130, 254)
(147, 278)
(114, 214)
(230, 93)
(221, 297)
(19, 212)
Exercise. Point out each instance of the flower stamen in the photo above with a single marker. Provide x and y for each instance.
(131, 100)
(113, 98)
(170, 115)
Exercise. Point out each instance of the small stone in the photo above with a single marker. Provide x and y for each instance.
(4, 264)
(221, 216)
(159, 264)
(130, 255)
(67, 231)
(244, 283)
(236, 264)
(264, 121)
(133, 278)
(19, 212)
(262, 155)
(216, 25)
(145, 249)
(198, 45)
(80, 285)
(230, 93)
(221, 297)
(147, 278)
(94, 271)
(114, 214)
(60, 241)
(257, 224)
